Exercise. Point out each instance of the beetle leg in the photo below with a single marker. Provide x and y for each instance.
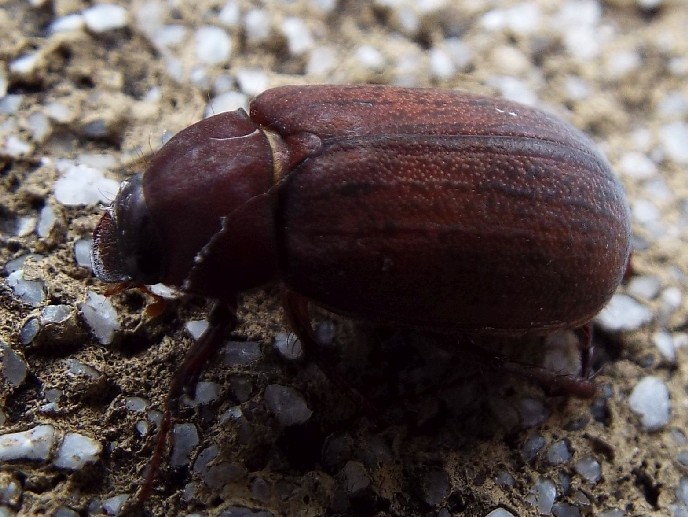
(222, 321)
(586, 347)
(296, 310)
(552, 381)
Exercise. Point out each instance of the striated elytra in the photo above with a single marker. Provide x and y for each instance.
(434, 209)
(424, 207)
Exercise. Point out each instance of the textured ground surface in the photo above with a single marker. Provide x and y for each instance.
(104, 97)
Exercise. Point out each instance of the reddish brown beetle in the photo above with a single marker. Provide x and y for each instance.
(421, 207)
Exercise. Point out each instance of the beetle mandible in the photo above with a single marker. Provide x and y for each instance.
(429, 208)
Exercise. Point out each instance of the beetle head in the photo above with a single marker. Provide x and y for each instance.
(126, 246)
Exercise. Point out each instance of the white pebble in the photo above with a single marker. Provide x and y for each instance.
(252, 81)
(59, 112)
(665, 344)
(558, 453)
(46, 221)
(56, 313)
(298, 35)
(637, 165)
(77, 369)
(196, 328)
(169, 36)
(533, 412)
(77, 450)
(237, 353)
(185, 439)
(619, 64)
(213, 45)
(105, 17)
(206, 392)
(370, 57)
(11, 103)
(13, 366)
(101, 316)
(288, 345)
(82, 252)
(589, 469)
(84, 185)
(441, 64)
(623, 313)
(542, 496)
(673, 137)
(522, 19)
(113, 505)
(4, 83)
(672, 298)
(500, 512)
(25, 226)
(650, 400)
(322, 60)
(31, 292)
(257, 26)
(67, 23)
(230, 15)
(34, 444)
(39, 125)
(356, 478)
(228, 101)
(136, 404)
(16, 147)
(287, 405)
(25, 65)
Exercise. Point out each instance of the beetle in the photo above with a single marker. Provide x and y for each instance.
(429, 208)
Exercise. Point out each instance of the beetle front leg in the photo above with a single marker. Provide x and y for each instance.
(222, 321)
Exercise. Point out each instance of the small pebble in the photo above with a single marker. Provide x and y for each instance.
(113, 505)
(650, 400)
(84, 185)
(533, 412)
(101, 316)
(105, 17)
(34, 444)
(14, 368)
(196, 328)
(542, 496)
(673, 137)
(287, 405)
(213, 45)
(288, 345)
(645, 286)
(589, 469)
(240, 353)
(82, 252)
(436, 487)
(500, 512)
(356, 478)
(558, 453)
(77, 450)
(46, 221)
(532, 447)
(298, 36)
(184, 441)
(623, 313)
(55, 313)
(31, 292)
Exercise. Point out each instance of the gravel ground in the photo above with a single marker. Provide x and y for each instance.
(87, 92)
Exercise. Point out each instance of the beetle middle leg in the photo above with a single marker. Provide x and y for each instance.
(296, 310)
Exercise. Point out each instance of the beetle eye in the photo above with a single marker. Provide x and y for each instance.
(126, 245)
